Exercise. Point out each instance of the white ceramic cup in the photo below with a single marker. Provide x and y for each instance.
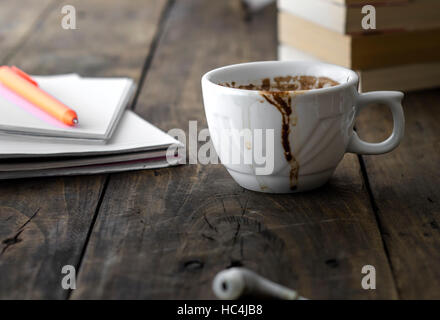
(320, 125)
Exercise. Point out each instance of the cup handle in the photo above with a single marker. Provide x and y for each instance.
(393, 100)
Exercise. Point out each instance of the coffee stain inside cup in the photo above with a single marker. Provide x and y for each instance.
(284, 83)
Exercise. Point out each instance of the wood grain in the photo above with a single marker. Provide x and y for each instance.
(18, 20)
(166, 233)
(112, 38)
(405, 186)
(45, 222)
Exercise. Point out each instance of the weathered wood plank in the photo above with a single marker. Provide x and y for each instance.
(18, 19)
(405, 185)
(165, 233)
(113, 38)
(44, 222)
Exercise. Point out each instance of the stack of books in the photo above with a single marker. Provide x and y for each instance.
(107, 137)
(402, 53)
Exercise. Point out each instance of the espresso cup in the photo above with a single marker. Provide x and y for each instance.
(310, 130)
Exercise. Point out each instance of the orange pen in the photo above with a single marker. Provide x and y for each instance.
(22, 84)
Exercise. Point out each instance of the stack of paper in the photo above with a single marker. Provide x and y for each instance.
(109, 138)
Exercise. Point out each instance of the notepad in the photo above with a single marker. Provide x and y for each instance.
(133, 134)
(89, 170)
(98, 102)
(136, 144)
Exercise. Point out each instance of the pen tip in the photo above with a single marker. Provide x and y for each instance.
(75, 121)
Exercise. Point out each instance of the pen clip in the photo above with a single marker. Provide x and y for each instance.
(24, 75)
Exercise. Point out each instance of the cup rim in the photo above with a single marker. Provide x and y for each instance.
(354, 79)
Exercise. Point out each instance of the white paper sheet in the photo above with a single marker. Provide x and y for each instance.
(132, 134)
(98, 102)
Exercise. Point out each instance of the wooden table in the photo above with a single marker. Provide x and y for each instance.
(166, 233)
